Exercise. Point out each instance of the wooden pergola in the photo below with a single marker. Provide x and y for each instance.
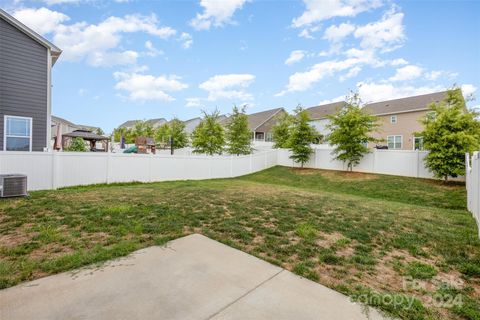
(91, 137)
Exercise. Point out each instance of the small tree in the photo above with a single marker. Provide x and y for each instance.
(162, 134)
(450, 131)
(350, 131)
(76, 145)
(141, 129)
(209, 137)
(99, 131)
(301, 136)
(177, 132)
(120, 132)
(238, 134)
(281, 130)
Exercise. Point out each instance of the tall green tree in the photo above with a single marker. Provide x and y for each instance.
(350, 131)
(162, 134)
(450, 131)
(302, 135)
(120, 132)
(177, 132)
(209, 136)
(99, 131)
(238, 134)
(281, 130)
(142, 129)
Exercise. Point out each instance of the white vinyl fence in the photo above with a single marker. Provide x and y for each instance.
(51, 170)
(473, 185)
(407, 163)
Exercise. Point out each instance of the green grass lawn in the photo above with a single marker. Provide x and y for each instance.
(376, 238)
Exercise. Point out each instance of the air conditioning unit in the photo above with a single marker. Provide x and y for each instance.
(13, 185)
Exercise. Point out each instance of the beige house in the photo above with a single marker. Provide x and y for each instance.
(261, 124)
(399, 119)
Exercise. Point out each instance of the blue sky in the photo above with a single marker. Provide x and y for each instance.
(149, 59)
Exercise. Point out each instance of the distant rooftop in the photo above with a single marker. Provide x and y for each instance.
(407, 104)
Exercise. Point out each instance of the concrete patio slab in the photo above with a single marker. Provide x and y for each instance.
(190, 278)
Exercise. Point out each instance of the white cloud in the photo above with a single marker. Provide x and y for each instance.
(216, 13)
(372, 92)
(151, 50)
(409, 72)
(186, 40)
(301, 81)
(385, 35)
(228, 86)
(295, 56)
(319, 10)
(54, 2)
(337, 33)
(353, 72)
(327, 101)
(468, 90)
(94, 43)
(141, 87)
(41, 20)
(436, 74)
(108, 59)
(193, 103)
(307, 32)
(398, 62)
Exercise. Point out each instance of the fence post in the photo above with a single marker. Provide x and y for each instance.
(251, 159)
(315, 158)
(266, 160)
(231, 166)
(107, 174)
(55, 169)
(417, 174)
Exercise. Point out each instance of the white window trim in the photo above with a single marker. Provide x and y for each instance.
(401, 141)
(5, 117)
(392, 117)
(414, 142)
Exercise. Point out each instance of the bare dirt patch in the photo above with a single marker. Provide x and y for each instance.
(347, 175)
(16, 238)
(329, 239)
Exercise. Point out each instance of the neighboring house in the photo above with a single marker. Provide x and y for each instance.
(318, 116)
(154, 122)
(191, 124)
(399, 119)
(128, 124)
(66, 126)
(26, 59)
(67, 131)
(261, 124)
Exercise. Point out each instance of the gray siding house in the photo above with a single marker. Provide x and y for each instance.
(26, 60)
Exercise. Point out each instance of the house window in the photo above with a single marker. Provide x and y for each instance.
(393, 119)
(269, 137)
(17, 134)
(418, 143)
(394, 142)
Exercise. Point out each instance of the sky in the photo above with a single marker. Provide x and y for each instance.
(133, 59)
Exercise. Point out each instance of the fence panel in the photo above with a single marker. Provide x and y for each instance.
(472, 165)
(38, 166)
